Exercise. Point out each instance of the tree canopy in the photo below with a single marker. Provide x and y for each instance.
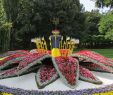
(33, 18)
(21, 20)
(104, 3)
(106, 25)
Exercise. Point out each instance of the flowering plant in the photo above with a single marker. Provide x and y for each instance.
(87, 75)
(67, 67)
(105, 64)
(46, 75)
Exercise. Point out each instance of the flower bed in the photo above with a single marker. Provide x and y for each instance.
(67, 67)
(46, 75)
(87, 75)
(95, 58)
(96, 91)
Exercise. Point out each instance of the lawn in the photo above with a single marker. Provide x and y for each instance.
(105, 52)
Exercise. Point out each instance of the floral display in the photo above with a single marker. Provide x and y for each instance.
(46, 75)
(67, 68)
(5, 93)
(14, 58)
(8, 73)
(86, 75)
(11, 63)
(29, 61)
(48, 68)
(94, 67)
(94, 91)
(13, 52)
(95, 58)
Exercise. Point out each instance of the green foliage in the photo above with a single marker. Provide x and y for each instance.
(93, 38)
(91, 26)
(68, 12)
(2, 14)
(19, 12)
(106, 25)
(21, 20)
(33, 18)
(104, 3)
(4, 29)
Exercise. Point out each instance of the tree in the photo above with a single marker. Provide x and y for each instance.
(33, 18)
(4, 29)
(104, 3)
(106, 25)
(11, 8)
(68, 12)
(91, 25)
(20, 13)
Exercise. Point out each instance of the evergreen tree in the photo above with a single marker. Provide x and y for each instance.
(32, 18)
(4, 29)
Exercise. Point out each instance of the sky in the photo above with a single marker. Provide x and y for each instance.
(89, 5)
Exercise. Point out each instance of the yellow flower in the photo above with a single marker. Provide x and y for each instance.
(105, 93)
(5, 93)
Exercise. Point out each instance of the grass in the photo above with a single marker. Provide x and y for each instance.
(105, 52)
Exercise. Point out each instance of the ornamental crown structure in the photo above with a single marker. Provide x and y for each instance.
(58, 45)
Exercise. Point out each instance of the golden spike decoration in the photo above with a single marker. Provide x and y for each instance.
(37, 42)
(50, 43)
(67, 42)
(64, 45)
(73, 44)
(72, 47)
(45, 45)
(62, 42)
(70, 43)
(42, 41)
